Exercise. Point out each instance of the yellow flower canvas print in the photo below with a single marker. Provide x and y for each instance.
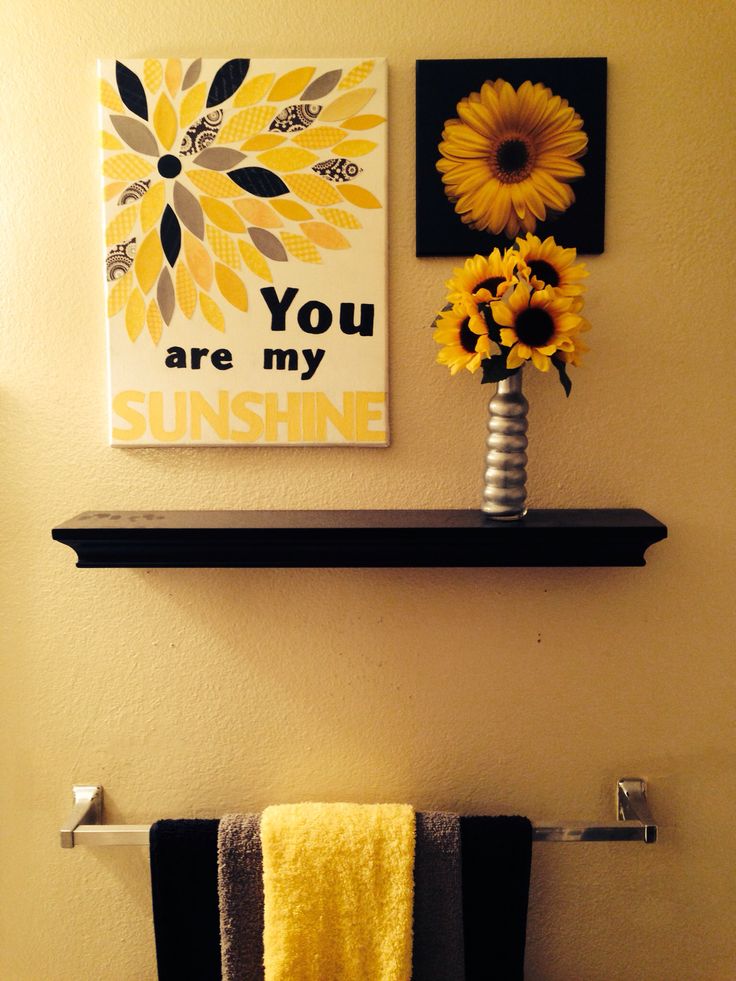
(245, 243)
(508, 147)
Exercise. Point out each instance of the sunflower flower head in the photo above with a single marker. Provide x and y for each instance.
(463, 345)
(479, 281)
(510, 155)
(544, 263)
(535, 325)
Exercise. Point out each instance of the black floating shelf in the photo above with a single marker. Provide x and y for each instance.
(332, 539)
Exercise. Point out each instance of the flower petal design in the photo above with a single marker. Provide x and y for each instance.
(231, 287)
(343, 219)
(253, 90)
(321, 86)
(337, 169)
(192, 104)
(186, 291)
(357, 75)
(222, 215)
(325, 235)
(219, 158)
(257, 212)
(198, 260)
(293, 119)
(263, 141)
(258, 181)
(152, 204)
(165, 122)
(188, 209)
(135, 313)
(170, 235)
(347, 105)
(300, 247)
(119, 259)
(136, 134)
(255, 261)
(224, 247)
(122, 225)
(119, 294)
(354, 148)
(109, 97)
(148, 260)
(126, 166)
(212, 313)
(172, 76)
(227, 80)
(153, 74)
(131, 90)
(368, 121)
(288, 158)
(359, 196)
(214, 183)
(110, 142)
(313, 189)
(319, 137)
(245, 123)
(290, 84)
(267, 244)
(291, 210)
(192, 74)
(165, 296)
(154, 322)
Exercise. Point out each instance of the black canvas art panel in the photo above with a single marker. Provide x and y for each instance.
(507, 146)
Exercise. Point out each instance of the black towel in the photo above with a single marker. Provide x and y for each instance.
(496, 863)
(186, 914)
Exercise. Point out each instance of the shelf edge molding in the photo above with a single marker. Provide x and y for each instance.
(359, 539)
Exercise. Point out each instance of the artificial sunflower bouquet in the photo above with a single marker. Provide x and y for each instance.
(508, 309)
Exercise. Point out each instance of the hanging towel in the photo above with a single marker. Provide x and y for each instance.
(338, 892)
(186, 920)
(496, 865)
(438, 911)
(240, 880)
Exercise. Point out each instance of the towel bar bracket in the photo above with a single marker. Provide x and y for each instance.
(84, 825)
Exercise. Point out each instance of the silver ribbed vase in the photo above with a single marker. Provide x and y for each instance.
(504, 495)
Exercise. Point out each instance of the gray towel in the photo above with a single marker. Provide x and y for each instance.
(438, 901)
(240, 885)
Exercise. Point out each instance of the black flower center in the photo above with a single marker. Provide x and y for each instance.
(468, 339)
(535, 327)
(545, 272)
(491, 284)
(169, 165)
(512, 160)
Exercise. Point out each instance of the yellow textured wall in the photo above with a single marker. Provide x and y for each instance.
(190, 692)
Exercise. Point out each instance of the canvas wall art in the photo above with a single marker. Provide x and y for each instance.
(245, 250)
(510, 146)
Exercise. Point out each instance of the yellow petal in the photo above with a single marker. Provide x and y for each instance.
(113, 189)
(263, 141)
(198, 260)
(291, 210)
(110, 142)
(231, 287)
(291, 84)
(192, 104)
(357, 75)
(224, 247)
(300, 247)
(126, 167)
(109, 97)
(259, 213)
(153, 74)
(312, 189)
(154, 321)
(319, 137)
(325, 235)
(253, 90)
(173, 75)
(368, 121)
(539, 360)
(246, 123)
(343, 219)
(135, 314)
(148, 260)
(502, 314)
(119, 293)
(513, 360)
(255, 261)
(355, 148)
(285, 159)
(212, 313)
(152, 204)
(215, 184)
(346, 105)
(121, 225)
(222, 215)
(186, 292)
(164, 121)
(359, 196)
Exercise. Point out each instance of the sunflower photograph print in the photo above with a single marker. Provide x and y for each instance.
(245, 250)
(507, 147)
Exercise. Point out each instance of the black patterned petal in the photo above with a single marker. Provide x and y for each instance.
(131, 90)
(259, 181)
(170, 235)
(227, 80)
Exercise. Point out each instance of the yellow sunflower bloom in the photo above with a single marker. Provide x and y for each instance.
(545, 263)
(535, 324)
(463, 345)
(480, 280)
(510, 156)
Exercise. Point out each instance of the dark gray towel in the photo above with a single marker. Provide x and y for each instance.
(240, 886)
(438, 953)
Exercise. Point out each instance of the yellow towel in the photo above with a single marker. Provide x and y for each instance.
(338, 890)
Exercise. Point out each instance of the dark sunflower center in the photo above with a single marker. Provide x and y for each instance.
(545, 272)
(513, 160)
(169, 165)
(491, 284)
(468, 339)
(534, 327)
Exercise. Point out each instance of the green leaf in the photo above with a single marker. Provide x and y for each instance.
(562, 372)
(495, 370)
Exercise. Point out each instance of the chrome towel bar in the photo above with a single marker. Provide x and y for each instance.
(634, 821)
